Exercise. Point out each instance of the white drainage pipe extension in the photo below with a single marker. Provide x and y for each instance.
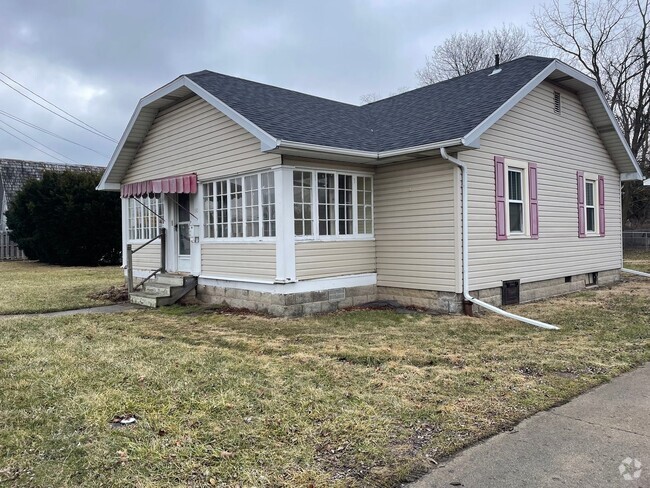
(635, 272)
(465, 240)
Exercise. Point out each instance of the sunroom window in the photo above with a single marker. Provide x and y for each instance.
(145, 217)
(343, 204)
(241, 207)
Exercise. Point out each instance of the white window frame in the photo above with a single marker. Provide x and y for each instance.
(144, 233)
(522, 167)
(355, 235)
(260, 205)
(592, 178)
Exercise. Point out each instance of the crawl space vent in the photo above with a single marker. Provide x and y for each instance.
(510, 292)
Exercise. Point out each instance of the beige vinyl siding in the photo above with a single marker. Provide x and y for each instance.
(560, 145)
(249, 260)
(327, 165)
(147, 258)
(195, 137)
(324, 259)
(417, 226)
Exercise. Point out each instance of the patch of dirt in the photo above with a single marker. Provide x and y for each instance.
(115, 294)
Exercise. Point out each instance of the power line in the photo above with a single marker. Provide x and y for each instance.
(49, 132)
(54, 105)
(37, 142)
(32, 145)
(92, 131)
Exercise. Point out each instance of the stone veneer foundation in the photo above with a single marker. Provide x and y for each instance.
(308, 303)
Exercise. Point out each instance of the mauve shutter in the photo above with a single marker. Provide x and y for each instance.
(500, 191)
(532, 196)
(601, 205)
(581, 204)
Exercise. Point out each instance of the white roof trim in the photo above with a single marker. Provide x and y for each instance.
(646, 182)
(267, 141)
(555, 65)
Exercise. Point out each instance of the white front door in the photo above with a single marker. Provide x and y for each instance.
(182, 233)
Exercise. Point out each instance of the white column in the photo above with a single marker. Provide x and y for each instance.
(285, 246)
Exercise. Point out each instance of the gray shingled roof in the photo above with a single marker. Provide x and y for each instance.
(434, 113)
(15, 172)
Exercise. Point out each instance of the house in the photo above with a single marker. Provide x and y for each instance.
(289, 203)
(14, 173)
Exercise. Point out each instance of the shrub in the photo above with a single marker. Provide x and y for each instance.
(63, 219)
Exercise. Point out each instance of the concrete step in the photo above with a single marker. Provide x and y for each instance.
(173, 279)
(161, 289)
(165, 289)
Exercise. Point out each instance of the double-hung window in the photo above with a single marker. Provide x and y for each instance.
(332, 204)
(242, 207)
(590, 205)
(516, 216)
(145, 216)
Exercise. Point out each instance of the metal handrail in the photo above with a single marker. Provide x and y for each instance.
(129, 260)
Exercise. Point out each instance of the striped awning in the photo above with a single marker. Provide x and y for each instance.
(172, 184)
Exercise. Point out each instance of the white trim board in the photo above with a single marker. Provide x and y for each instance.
(321, 284)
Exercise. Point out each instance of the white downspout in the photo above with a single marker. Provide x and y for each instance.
(635, 272)
(465, 246)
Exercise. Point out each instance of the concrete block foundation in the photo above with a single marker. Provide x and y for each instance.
(323, 301)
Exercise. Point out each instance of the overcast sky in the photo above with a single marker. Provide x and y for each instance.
(96, 59)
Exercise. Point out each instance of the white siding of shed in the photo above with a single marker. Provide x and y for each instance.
(560, 145)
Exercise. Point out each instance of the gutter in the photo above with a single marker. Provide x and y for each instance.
(465, 246)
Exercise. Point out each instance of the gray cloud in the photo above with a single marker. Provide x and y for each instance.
(96, 59)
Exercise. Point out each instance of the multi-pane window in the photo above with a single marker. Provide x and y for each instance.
(343, 203)
(302, 203)
(268, 204)
(590, 207)
(346, 217)
(326, 204)
(240, 207)
(364, 205)
(145, 217)
(515, 200)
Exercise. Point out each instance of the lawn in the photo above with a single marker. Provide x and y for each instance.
(358, 398)
(29, 287)
(638, 260)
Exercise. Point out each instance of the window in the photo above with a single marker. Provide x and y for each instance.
(590, 207)
(515, 200)
(241, 207)
(145, 218)
(302, 203)
(343, 204)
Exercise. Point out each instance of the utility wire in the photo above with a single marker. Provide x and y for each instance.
(37, 142)
(29, 144)
(49, 132)
(92, 131)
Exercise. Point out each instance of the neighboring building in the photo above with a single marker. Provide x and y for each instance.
(289, 203)
(13, 175)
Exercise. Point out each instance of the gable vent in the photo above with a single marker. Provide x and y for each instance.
(557, 102)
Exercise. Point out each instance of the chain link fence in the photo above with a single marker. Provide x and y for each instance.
(636, 240)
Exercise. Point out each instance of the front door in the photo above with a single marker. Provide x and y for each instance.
(183, 238)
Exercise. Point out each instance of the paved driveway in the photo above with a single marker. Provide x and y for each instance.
(600, 439)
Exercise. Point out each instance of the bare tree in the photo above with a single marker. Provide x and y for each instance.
(467, 52)
(609, 41)
(374, 96)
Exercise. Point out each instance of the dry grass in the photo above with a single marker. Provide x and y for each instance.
(29, 287)
(638, 260)
(359, 398)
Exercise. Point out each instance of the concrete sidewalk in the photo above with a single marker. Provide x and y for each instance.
(599, 439)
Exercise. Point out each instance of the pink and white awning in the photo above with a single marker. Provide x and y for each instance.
(172, 184)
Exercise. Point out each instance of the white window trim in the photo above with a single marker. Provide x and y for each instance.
(355, 236)
(523, 167)
(592, 178)
(233, 240)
